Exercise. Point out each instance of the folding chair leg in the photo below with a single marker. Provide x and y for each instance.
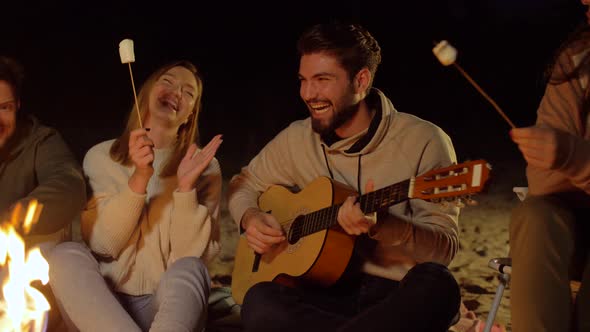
(504, 279)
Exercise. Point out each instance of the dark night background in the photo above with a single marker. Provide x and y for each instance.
(246, 52)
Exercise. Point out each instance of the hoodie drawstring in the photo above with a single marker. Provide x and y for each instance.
(358, 174)
(326, 159)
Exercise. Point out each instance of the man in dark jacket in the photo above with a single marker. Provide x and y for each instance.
(35, 163)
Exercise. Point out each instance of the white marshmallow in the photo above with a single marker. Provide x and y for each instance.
(445, 53)
(126, 51)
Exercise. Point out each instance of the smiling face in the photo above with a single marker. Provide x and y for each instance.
(8, 108)
(173, 96)
(327, 91)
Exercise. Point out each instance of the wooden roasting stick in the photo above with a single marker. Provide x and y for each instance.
(447, 54)
(128, 56)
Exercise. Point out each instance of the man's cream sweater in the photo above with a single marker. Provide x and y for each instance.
(402, 146)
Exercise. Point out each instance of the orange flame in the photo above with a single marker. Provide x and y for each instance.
(22, 307)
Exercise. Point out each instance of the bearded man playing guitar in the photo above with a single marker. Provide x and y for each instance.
(396, 278)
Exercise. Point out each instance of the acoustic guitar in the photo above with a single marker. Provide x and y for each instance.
(317, 249)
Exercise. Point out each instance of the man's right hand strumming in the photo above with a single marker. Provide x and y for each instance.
(262, 230)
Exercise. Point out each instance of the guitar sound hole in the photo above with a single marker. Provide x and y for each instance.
(296, 230)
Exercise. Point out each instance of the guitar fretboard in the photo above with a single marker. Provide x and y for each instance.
(327, 217)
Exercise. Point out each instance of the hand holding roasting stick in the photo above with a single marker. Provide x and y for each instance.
(447, 54)
(128, 56)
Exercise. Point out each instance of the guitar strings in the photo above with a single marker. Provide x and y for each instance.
(327, 217)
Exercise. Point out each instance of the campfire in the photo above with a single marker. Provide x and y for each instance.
(22, 307)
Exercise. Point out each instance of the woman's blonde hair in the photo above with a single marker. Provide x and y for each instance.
(188, 132)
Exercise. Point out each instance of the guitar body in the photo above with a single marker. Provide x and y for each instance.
(318, 250)
(320, 258)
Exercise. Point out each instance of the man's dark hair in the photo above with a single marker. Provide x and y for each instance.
(12, 72)
(351, 44)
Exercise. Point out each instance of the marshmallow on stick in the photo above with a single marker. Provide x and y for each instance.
(126, 51)
(128, 56)
(447, 55)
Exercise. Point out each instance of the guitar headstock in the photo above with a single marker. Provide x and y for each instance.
(451, 183)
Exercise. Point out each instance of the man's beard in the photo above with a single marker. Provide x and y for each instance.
(340, 117)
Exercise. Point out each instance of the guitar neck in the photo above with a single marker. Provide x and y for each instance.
(369, 202)
(457, 180)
